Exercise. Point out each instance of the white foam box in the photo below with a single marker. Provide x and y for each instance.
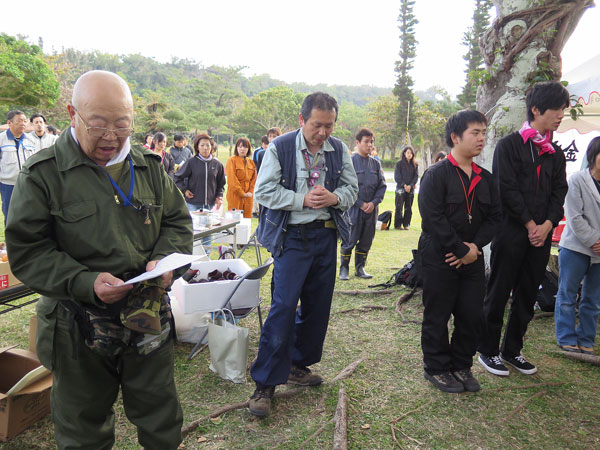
(242, 233)
(207, 297)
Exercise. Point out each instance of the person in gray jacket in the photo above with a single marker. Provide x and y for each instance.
(579, 259)
(40, 136)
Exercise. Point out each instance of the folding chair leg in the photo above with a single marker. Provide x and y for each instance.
(194, 350)
(260, 322)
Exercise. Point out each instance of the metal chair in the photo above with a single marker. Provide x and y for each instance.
(254, 274)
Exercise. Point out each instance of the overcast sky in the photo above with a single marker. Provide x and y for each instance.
(314, 41)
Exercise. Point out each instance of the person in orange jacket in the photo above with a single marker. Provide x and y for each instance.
(241, 176)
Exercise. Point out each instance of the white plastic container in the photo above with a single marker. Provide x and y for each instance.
(208, 297)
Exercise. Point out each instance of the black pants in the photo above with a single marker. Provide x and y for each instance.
(403, 200)
(448, 291)
(518, 266)
(362, 231)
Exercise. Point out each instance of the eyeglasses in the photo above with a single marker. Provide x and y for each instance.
(99, 132)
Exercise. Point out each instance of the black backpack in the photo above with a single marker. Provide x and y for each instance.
(546, 297)
(386, 220)
(407, 276)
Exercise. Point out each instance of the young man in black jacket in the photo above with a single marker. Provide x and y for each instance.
(460, 211)
(530, 173)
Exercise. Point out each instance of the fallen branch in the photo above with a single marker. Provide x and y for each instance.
(340, 432)
(365, 308)
(406, 297)
(526, 386)
(345, 373)
(412, 439)
(592, 359)
(394, 436)
(542, 315)
(403, 416)
(348, 370)
(522, 405)
(366, 292)
(316, 433)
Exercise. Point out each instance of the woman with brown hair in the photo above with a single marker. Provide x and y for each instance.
(241, 176)
(405, 175)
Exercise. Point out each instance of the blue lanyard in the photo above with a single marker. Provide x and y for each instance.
(126, 200)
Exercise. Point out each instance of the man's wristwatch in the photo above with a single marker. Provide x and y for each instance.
(338, 200)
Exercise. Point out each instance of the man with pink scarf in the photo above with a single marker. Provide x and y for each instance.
(530, 173)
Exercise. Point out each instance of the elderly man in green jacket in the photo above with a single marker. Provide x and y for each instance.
(87, 214)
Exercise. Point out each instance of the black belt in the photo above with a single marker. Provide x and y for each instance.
(313, 224)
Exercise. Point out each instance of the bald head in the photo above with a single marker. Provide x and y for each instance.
(98, 87)
(101, 102)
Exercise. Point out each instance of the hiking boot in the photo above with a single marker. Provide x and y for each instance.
(494, 365)
(260, 403)
(344, 269)
(359, 260)
(445, 382)
(465, 376)
(520, 363)
(302, 376)
(570, 348)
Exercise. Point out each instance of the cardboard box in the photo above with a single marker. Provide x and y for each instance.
(32, 403)
(7, 279)
(207, 297)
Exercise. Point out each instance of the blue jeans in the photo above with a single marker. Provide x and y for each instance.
(6, 191)
(574, 267)
(305, 271)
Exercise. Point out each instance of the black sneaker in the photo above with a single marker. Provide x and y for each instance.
(520, 363)
(465, 376)
(445, 382)
(260, 402)
(493, 364)
(302, 376)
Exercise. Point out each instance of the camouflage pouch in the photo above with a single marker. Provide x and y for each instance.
(101, 329)
(142, 308)
(146, 344)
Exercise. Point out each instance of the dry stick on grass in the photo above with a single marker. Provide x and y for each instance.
(526, 386)
(403, 416)
(315, 434)
(394, 436)
(345, 373)
(365, 308)
(522, 405)
(366, 292)
(592, 359)
(340, 432)
(412, 439)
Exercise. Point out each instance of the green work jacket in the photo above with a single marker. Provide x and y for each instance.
(65, 226)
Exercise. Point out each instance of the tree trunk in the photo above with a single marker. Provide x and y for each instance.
(523, 43)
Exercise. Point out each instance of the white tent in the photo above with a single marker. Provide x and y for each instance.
(575, 135)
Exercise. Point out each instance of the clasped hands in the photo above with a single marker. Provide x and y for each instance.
(470, 257)
(319, 197)
(110, 289)
(537, 234)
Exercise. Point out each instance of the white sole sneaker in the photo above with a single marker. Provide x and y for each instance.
(492, 370)
(520, 369)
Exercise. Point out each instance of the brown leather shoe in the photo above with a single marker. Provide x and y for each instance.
(260, 403)
(302, 376)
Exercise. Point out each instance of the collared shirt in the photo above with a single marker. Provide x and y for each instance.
(270, 193)
(13, 158)
(43, 141)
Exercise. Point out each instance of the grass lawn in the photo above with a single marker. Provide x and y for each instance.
(384, 387)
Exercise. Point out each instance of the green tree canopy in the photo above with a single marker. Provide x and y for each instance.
(25, 77)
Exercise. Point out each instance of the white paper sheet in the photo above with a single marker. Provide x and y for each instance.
(171, 262)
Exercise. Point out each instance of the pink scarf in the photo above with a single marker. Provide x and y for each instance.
(543, 143)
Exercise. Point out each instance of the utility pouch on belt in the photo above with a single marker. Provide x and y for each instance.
(141, 312)
(103, 331)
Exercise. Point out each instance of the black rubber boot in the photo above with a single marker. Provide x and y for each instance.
(359, 260)
(344, 267)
